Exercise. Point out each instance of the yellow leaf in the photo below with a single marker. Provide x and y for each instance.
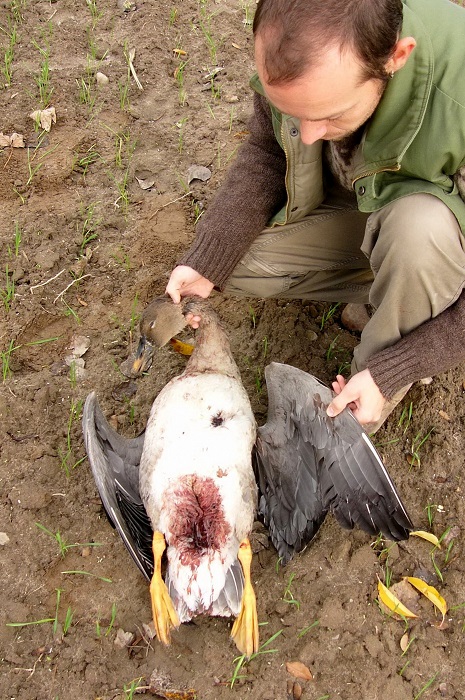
(430, 592)
(393, 603)
(427, 536)
(182, 348)
(299, 670)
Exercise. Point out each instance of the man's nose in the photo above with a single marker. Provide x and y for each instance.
(312, 131)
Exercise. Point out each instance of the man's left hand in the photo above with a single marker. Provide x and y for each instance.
(361, 394)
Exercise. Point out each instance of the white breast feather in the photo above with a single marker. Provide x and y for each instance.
(182, 440)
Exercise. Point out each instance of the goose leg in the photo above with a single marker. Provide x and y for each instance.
(245, 628)
(164, 614)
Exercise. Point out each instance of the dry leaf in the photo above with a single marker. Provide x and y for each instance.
(198, 172)
(45, 117)
(149, 630)
(182, 348)
(79, 345)
(441, 624)
(294, 690)
(392, 602)
(145, 179)
(427, 536)
(429, 592)
(123, 639)
(404, 642)
(13, 141)
(299, 670)
(17, 140)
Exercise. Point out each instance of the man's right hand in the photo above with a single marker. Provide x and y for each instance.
(184, 281)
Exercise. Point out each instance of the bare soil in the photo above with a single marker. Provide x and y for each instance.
(87, 248)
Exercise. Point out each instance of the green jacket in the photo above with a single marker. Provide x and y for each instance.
(415, 141)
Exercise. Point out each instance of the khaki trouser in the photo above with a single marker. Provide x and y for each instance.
(407, 260)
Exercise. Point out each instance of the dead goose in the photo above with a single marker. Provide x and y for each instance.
(188, 480)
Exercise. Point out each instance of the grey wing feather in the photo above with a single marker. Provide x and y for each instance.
(114, 461)
(307, 464)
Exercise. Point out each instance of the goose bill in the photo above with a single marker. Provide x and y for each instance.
(144, 356)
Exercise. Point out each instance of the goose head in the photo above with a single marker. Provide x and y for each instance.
(160, 322)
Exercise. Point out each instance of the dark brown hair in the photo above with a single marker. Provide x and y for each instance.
(297, 32)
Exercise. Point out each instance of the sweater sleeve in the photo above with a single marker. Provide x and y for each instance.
(254, 189)
(433, 347)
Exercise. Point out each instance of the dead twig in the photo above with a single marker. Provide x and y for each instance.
(173, 201)
(78, 279)
(131, 57)
(31, 670)
(42, 284)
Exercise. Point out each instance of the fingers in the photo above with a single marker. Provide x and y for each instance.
(174, 286)
(339, 403)
(361, 394)
(174, 293)
(339, 384)
(193, 321)
(180, 282)
(341, 399)
(185, 281)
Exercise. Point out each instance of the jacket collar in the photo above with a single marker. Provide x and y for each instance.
(402, 108)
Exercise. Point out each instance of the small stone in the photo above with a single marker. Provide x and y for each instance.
(101, 79)
(312, 336)
(85, 552)
(426, 380)
(355, 317)
(126, 5)
(4, 539)
(18, 274)
(443, 689)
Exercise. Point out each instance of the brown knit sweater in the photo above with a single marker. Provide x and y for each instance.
(252, 192)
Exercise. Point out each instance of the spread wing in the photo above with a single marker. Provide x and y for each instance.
(307, 464)
(114, 461)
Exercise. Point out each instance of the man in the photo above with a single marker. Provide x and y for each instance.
(352, 184)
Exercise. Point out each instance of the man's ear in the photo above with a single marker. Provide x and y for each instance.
(402, 51)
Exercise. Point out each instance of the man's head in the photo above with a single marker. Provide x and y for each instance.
(326, 62)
